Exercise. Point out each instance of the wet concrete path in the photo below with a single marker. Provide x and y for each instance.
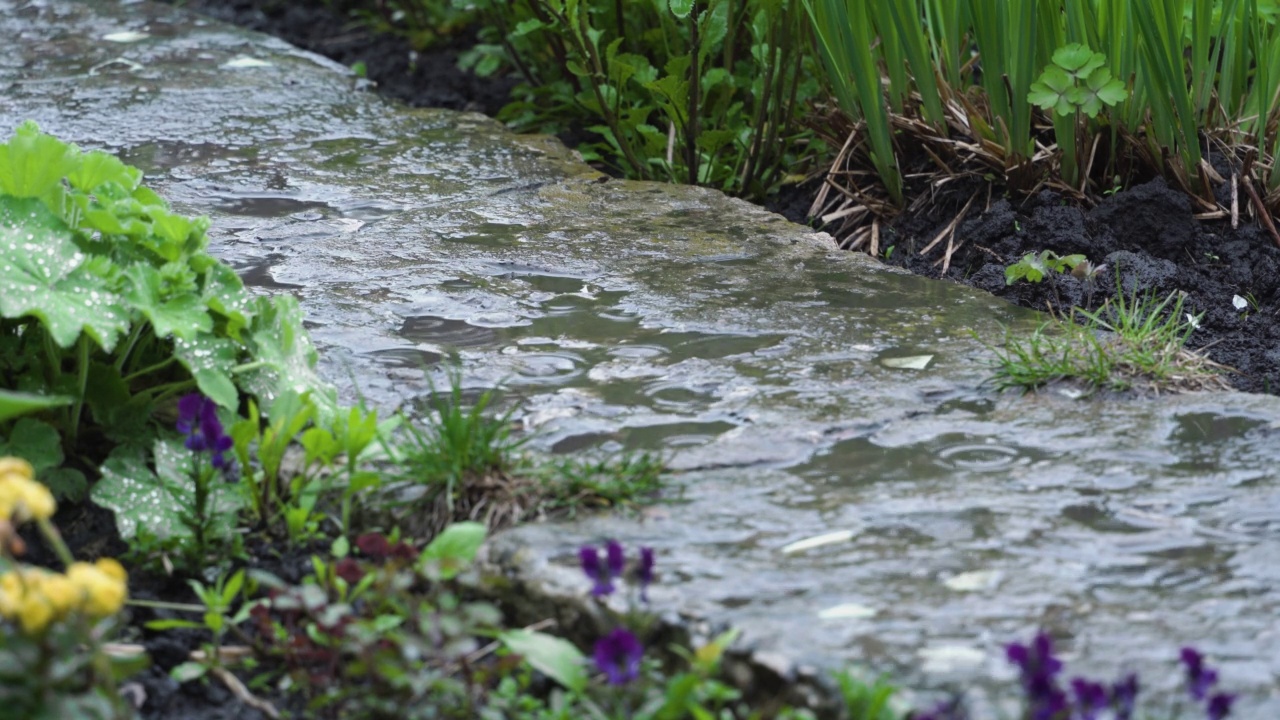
(788, 381)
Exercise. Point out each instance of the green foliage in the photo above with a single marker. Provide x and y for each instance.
(183, 504)
(554, 657)
(110, 307)
(465, 457)
(64, 674)
(1033, 267)
(845, 33)
(601, 482)
(867, 701)
(385, 635)
(708, 92)
(1131, 88)
(216, 619)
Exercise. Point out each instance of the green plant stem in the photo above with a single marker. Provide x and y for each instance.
(168, 391)
(148, 370)
(200, 506)
(134, 335)
(162, 605)
(82, 383)
(54, 538)
(246, 367)
(695, 93)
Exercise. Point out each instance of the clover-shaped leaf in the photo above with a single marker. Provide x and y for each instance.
(1099, 89)
(1053, 91)
(43, 274)
(1078, 60)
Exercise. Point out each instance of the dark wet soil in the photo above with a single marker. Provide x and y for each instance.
(1148, 235)
(430, 78)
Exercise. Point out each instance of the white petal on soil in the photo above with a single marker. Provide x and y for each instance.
(915, 362)
(1239, 302)
(973, 581)
(1193, 321)
(817, 541)
(127, 36)
(847, 611)
(245, 62)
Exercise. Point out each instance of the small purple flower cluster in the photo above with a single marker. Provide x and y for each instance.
(198, 420)
(1046, 699)
(617, 654)
(1200, 680)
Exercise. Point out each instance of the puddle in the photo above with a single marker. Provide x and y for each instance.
(446, 332)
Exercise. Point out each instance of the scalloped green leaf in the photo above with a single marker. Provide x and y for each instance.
(33, 164)
(183, 315)
(285, 357)
(210, 359)
(43, 274)
(158, 499)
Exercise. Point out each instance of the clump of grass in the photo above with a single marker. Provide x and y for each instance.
(1127, 344)
(468, 464)
(590, 483)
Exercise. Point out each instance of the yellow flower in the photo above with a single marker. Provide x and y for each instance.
(61, 593)
(101, 586)
(35, 614)
(16, 466)
(25, 599)
(35, 597)
(11, 592)
(22, 497)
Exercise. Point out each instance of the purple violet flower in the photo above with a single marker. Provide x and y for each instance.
(644, 572)
(1039, 670)
(595, 571)
(1219, 706)
(1091, 698)
(1200, 677)
(618, 655)
(198, 420)
(615, 558)
(1124, 697)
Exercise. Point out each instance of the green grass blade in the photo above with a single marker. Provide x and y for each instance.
(914, 44)
(844, 37)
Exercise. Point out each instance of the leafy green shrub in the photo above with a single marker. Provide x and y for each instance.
(111, 308)
(382, 635)
(707, 92)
